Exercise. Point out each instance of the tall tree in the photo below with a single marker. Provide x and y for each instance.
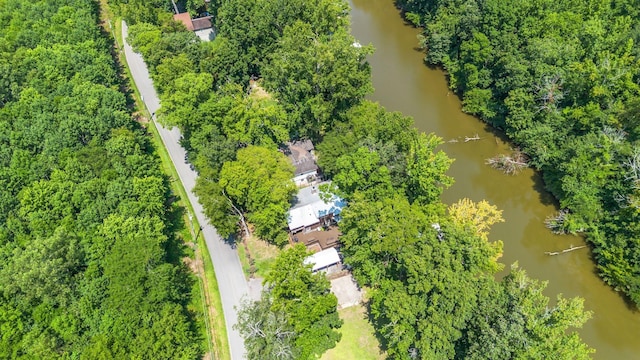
(259, 183)
(296, 316)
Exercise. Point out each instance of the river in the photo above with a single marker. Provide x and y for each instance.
(403, 83)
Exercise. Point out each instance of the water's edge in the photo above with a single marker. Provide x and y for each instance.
(405, 84)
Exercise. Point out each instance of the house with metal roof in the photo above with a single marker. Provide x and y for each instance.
(311, 219)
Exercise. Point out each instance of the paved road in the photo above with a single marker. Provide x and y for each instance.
(231, 281)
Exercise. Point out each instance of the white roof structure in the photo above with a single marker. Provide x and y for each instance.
(302, 216)
(323, 259)
(309, 208)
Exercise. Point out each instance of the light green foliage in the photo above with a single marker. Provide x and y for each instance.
(433, 290)
(515, 320)
(247, 119)
(301, 302)
(171, 69)
(259, 182)
(362, 171)
(426, 170)
(179, 107)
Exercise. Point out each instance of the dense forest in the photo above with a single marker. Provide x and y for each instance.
(89, 261)
(281, 70)
(561, 78)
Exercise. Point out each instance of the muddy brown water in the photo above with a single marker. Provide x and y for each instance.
(403, 83)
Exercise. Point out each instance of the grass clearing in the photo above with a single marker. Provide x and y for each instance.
(263, 254)
(258, 255)
(205, 294)
(358, 339)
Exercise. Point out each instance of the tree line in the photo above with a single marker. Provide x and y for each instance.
(90, 259)
(281, 70)
(561, 79)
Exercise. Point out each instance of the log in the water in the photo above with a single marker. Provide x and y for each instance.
(551, 253)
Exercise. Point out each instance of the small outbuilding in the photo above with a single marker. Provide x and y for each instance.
(323, 260)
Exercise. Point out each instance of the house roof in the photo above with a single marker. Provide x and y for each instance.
(301, 156)
(309, 208)
(202, 23)
(184, 18)
(301, 217)
(323, 259)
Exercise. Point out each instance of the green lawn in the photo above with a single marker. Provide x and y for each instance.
(358, 341)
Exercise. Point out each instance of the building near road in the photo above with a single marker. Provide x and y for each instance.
(202, 26)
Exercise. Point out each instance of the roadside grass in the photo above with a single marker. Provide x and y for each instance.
(205, 293)
(256, 256)
(244, 261)
(263, 255)
(358, 338)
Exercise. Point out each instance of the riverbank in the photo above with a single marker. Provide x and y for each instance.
(403, 83)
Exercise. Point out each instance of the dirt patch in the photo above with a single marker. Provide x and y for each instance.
(193, 264)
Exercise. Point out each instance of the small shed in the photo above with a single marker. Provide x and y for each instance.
(323, 260)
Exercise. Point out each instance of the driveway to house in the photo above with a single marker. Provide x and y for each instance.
(231, 282)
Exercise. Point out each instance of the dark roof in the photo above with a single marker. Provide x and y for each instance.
(184, 18)
(202, 23)
(299, 152)
(305, 144)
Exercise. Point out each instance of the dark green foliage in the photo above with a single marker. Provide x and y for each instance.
(379, 152)
(254, 28)
(431, 272)
(317, 76)
(84, 241)
(434, 295)
(561, 78)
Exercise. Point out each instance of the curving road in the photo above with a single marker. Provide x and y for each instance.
(231, 282)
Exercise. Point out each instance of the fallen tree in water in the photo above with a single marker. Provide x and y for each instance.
(572, 248)
(509, 164)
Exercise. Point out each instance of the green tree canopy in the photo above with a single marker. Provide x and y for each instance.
(297, 307)
(259, 182)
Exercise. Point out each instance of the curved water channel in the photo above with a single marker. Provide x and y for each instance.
(403, 83)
